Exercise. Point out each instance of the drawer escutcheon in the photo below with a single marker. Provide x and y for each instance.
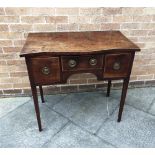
(93, 61)
(117, 66)
(45, 70)
(72, 63)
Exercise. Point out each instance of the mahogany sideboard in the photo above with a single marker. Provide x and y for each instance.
(52, 57)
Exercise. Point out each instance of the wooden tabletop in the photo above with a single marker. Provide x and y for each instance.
(66, 43)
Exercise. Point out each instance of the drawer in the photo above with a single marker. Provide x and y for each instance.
(73, 63)
(45, 70)
(117, 65)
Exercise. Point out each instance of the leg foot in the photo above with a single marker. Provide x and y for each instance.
(36, 105)
(118, 120)
(123, 96)
(108, 88)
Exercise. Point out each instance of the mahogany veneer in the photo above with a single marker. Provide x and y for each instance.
(52, 57)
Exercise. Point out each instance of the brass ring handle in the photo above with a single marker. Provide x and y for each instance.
(93, 61)
(116, 66)
(72, 63)
(45, 70)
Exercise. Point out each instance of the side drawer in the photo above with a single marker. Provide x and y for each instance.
(87, 62)
(45, 70)
(117, 65)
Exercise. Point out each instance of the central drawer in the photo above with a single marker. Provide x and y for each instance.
(88, 62)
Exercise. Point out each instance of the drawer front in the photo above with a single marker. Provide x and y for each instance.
(45, 70)
(117, 65)
(73, 63)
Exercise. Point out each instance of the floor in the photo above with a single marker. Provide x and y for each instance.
(80, 120)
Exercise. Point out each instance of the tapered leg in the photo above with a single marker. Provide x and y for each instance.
(36, 105)
(41, 94)
(123, 96)
(108, 88)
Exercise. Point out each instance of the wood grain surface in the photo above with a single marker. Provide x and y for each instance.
(65, 43)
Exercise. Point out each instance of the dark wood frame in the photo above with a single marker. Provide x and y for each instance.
(64, 76)
(116, 51)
